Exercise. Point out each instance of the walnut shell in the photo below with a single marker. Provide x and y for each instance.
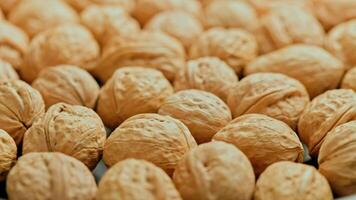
(272, 94)
(8, 5)
(73, 130)
(65, 44)
(159, 139)
(39, 15)
(215, 170)
(337, 159)
(324, 71)
(131, 91)
(79, 5)
(50, 176)
(20, 106)
(68, 84)
(324, 113)
(202, 112)
(8, 154)
(294, 181)
(134, 179)
(7, 72)
(263, 139)
(348, 81)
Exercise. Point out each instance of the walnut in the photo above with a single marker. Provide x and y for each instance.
(1, 14)
(263, 6)
(68, 84)
(324, 71)
(79, 5)
(348, 81)
(263, 139)
(159, 139)
(323, 114)
(215, 170)
(134, 179)
(202, 112)
(73, 130)
(7, 72)
(337, 159)
(50, 176)
(234, 46)
(8, 154)
(64, 44)
(272, 94)
(288, 180)
(8, 5)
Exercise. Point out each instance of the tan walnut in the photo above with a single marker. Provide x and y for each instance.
(263, 139)
(40, 176)
(7, 72)
(79, 5)
(263, 6)
(214, 171)
(8, 154)
(133, 179)
(7, 5)
(348, 81)
(73, 130)
(159, 139)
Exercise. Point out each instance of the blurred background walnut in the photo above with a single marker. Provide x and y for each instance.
(8, 5)
(1, 14)
(79, 5)
(263, 6)
(348, 81)
(8, 154)
(7, 72)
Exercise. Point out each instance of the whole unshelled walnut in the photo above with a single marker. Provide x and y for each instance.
(202, 112)
(337, 159)
(8, 154)
(8, 5)
(348, 81)
(79, 5)
(263, 139)
(68, 84)
(323, 114)
(131, 91)
(73, 130)
(323, 70)
(159, 139)
(7, 72)
(294, 181)
(20, 106)
(40, 176)
(39, 15)
(234, 46)
(213, 171)
(133, 179)
(272, 94)
(65, 44)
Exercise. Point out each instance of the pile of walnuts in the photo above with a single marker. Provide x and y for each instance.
(177, 99)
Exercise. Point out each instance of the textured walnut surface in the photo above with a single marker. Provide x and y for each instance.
(80, 5)
(348, 81)
(7, 72)
(8, 154)
(263, 6)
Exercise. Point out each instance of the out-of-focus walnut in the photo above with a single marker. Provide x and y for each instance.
(349, 80)
(8, 154)
(79, 5)
(215, 170)
(50, 176)
(131, 91)
(73, 130)
(159, 139)
(7, 72)
(8, 5)
(324, 113)
(39, 15)
(65, 44)
(68, 84)
(106, 22)
(234, 46)
(178, 24)
(202, 112)
(148, 49)
(337, 159)
(314, 67)
(272, 94)
(263, 6)
(288, 180)
(133, 179)
(263, 139)
(1, 14)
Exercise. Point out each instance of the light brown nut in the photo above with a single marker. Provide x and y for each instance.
(323, 114)
(7, 72)
(213, 171)
(148, 49)
(288, 180)
(159, 139)
(40, 176)
(8, 154)
(8, 5)
(263, 6)
(202, 112)
(264, 140)
(133, 179)
(68, 84)
(20, 106)
(80, 5)
(73, 130)
(272, 94)
(337, 159)
(1, 14)
(349, 80)
(64, 44)
(314, 67)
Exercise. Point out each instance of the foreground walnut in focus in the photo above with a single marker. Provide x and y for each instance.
(349, 80)
(159, 139)
(215, 170)
(40, 176)
(7, 73)
(79, 5)
(294, 181)
(8, 154)
(134, 179)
